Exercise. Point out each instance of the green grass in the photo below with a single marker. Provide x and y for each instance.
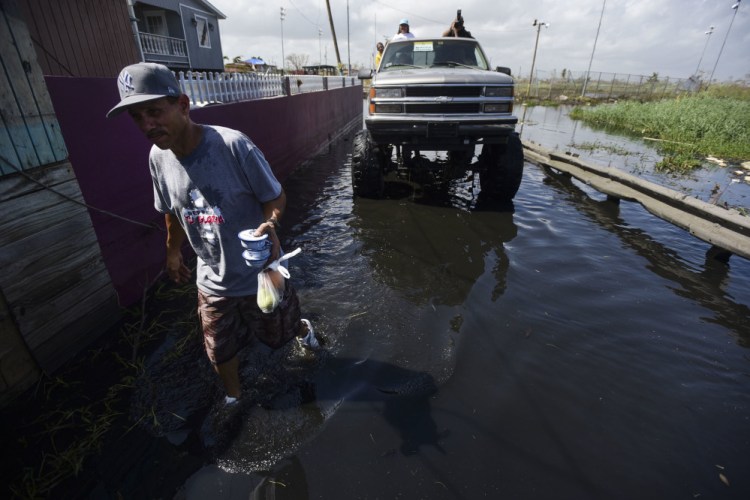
(715, 123)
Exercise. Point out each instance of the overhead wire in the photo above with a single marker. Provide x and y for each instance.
(314, 23)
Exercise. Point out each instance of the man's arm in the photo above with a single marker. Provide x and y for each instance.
(452, 30)
(273, 211)
(176, 268)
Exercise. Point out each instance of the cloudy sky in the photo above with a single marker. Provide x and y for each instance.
(636, 36)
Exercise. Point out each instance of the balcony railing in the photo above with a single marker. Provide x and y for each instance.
(163, 46)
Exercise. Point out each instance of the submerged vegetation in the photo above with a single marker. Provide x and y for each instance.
(72, 426)
(715, 122)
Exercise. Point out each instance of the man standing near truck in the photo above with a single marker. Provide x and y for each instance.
(457, 28)
(210, 183)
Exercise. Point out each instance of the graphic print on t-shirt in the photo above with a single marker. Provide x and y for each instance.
(204, 216)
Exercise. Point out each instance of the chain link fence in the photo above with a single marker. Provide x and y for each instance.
(560, 86)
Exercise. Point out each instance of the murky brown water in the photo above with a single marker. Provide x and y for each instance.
(566, 349)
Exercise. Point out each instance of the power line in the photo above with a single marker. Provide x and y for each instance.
(316, 24)
(411, 14)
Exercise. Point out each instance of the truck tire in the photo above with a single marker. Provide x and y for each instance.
(367, 167)
(501, 169)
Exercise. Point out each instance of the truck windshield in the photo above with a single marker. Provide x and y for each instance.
(432, 53)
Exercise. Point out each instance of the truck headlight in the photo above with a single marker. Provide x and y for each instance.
(387, 92)
(498, 91)
(386, 108)
(502, 107)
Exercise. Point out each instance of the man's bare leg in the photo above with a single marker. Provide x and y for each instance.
(230, 376)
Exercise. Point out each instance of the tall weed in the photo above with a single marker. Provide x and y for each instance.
(705, 124)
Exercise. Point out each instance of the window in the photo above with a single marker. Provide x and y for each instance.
(156, 23)
(202, 28)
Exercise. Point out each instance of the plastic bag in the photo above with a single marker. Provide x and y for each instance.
(272, 281)
(276, 265)
(270, 290)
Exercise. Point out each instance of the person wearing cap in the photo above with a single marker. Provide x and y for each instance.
(404, 32)
(210, 183)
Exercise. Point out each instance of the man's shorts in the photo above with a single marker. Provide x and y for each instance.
(230, 323)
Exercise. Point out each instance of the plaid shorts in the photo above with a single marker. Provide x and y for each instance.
(230, 323)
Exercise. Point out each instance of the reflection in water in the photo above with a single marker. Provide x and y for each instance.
(286, 480)
(706, 287)
(431, 254)
(404, 396)
(287, 416)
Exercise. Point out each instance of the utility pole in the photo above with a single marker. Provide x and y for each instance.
(333, 32)
(586, 80)
(348, 46)
(708, 37)
(736, 8)
(283, 59)
(533, 60)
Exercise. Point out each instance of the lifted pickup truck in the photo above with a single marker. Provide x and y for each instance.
(438, 94)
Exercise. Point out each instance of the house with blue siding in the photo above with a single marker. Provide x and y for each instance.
(97, 38)
(181, 34)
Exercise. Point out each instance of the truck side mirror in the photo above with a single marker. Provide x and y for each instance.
(364, 74)
(503, 69)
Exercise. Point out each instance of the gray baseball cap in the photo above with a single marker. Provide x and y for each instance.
(144, 82)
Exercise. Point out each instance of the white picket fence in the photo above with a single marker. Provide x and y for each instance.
(205, 88)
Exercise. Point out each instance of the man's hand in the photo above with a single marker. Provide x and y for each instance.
(176, 268)
(273, 210)
(269, 229)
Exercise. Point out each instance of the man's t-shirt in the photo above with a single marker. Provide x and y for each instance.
(216, 192)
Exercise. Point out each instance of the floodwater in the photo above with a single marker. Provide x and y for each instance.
(568, 348)
(552, 128)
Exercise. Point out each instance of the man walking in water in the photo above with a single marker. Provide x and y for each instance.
(210, 183)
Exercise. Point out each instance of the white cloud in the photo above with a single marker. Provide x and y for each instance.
(636, 36)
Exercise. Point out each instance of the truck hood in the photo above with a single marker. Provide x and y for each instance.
(443, 76)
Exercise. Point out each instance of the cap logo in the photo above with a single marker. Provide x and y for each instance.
(143, 82)
(125, 83)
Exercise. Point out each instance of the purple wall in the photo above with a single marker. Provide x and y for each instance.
(110, 159)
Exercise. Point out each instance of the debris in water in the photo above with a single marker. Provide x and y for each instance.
(717, 161)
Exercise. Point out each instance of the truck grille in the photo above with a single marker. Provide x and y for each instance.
(443, 108)
(436, 91)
